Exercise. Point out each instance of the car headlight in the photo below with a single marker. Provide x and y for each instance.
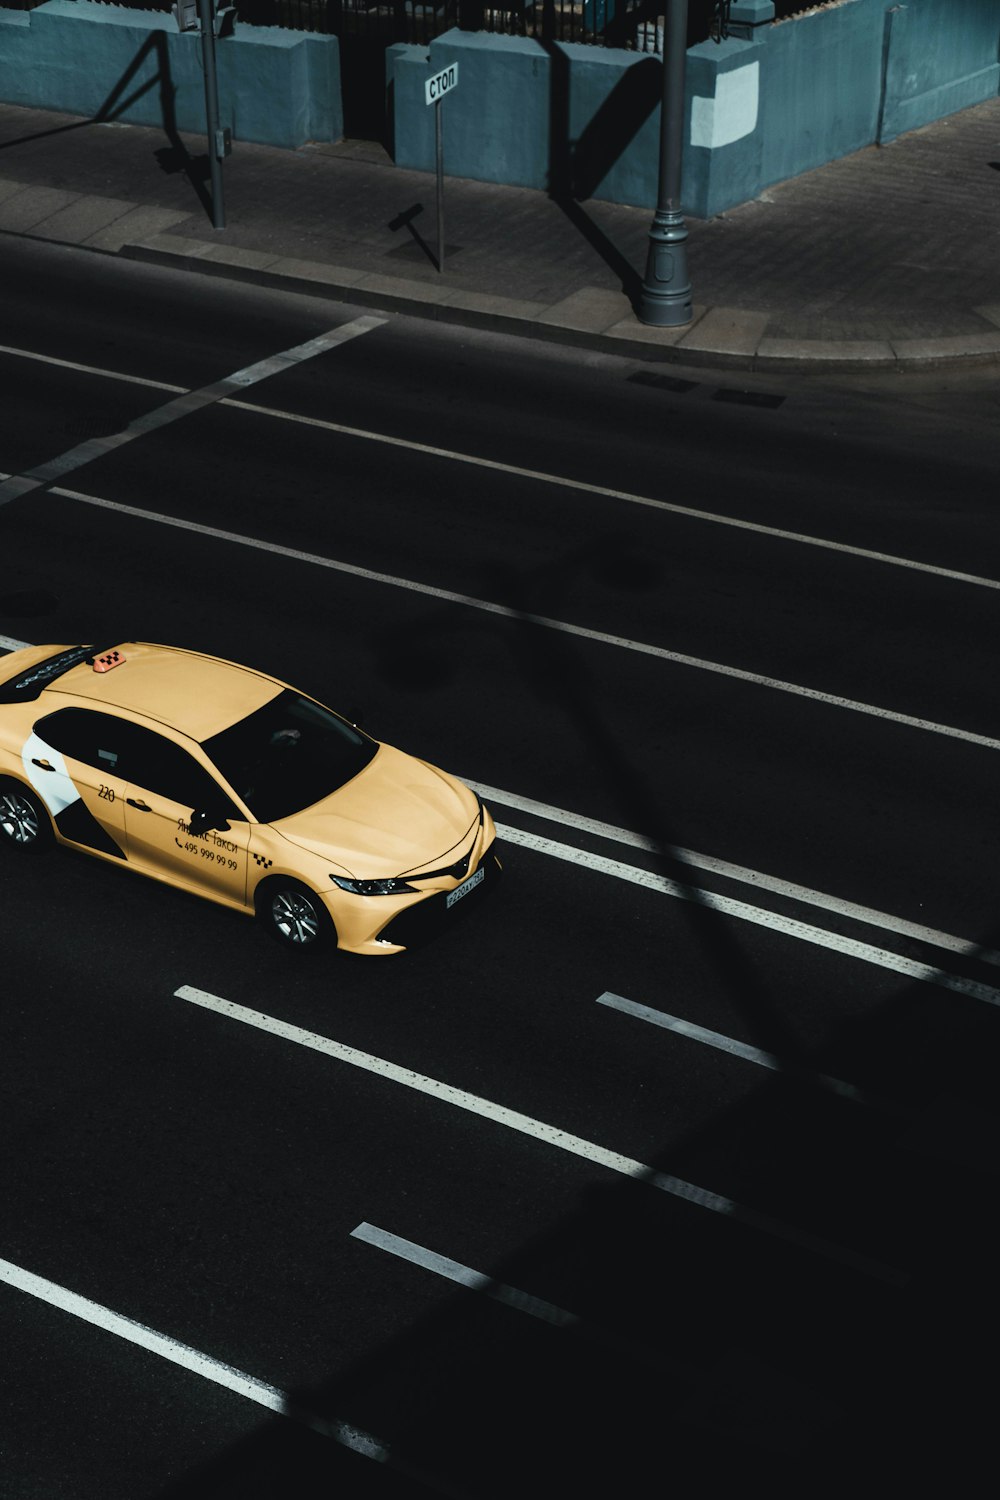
(390, 887)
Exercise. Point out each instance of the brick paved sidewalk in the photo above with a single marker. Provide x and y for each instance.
(889, 256)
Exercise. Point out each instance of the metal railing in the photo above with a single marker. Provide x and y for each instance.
(633, 24)
(613, 23)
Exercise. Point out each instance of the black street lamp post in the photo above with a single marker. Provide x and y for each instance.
(665, 301)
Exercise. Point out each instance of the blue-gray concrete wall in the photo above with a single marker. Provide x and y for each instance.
(759, 108)
(941, 56)
(533, 115)
(276, 87)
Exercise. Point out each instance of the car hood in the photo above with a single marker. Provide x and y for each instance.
(395, 817)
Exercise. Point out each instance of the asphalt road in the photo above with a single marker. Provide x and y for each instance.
(671, 1162)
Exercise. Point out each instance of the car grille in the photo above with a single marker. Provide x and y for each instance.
(457, 871)
(423, 920)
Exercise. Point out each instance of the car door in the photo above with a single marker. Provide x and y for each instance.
(72, 759)
(166, 785)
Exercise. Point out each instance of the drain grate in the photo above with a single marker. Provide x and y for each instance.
(749, 398)
(664, 382)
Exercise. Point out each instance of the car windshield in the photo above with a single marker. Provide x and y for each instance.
(289, 755)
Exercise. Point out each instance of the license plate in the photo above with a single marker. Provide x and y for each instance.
(465, 887)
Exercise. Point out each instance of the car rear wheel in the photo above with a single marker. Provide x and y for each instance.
(23, 820)
(294, 915)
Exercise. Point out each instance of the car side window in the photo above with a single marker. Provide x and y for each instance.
(94, 738)
(137, 755)
(163, 767)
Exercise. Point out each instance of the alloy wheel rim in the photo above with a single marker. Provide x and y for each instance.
(295, 917)
(17, 819)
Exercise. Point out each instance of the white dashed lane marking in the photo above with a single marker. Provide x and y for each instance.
(453, 1270)
(549, 1135)
(737, 1049)
(187, 1358)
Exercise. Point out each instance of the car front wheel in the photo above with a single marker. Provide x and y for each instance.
(294, 915)
(23, 820)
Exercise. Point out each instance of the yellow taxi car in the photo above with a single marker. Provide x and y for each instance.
(228, 783)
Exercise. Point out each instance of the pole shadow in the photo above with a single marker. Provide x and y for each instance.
(577, 169)
(174, 157)
(405, 220)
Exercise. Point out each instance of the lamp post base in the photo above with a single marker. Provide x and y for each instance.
(666, 289)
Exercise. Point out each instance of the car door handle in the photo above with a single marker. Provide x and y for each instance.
(139, 806)
(42, 765)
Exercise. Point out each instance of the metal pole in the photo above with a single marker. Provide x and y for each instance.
(207, 20)
(439, 151)
(666, 290)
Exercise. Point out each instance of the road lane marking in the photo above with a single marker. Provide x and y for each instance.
(608, 493)
(542, 476)
(79, 369)
(728, 906)
(549, 1135)
(867, 914)
(511, 1296)
(739, 1049)
(453, 1270)
(181, 406)
(504, 611)
(190, 1359)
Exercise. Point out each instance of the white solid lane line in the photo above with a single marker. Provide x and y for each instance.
(165, 1347)
(867, 914)
(548, 1134)
(503, 611)
(96, 370)
(541, 476)
(182, 406)
(883, 958)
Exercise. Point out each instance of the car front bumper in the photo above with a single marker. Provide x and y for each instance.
(380, 925)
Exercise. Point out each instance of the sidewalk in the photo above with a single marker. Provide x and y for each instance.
(889, 258)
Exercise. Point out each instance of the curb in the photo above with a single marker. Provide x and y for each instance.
(592, 319)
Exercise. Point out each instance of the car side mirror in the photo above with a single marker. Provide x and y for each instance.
(202, 821)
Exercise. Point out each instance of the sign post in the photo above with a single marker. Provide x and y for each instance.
(434, 91)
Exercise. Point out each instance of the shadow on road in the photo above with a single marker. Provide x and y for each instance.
(797, 1294)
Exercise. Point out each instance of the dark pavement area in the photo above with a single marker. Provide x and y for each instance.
(887, 257)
